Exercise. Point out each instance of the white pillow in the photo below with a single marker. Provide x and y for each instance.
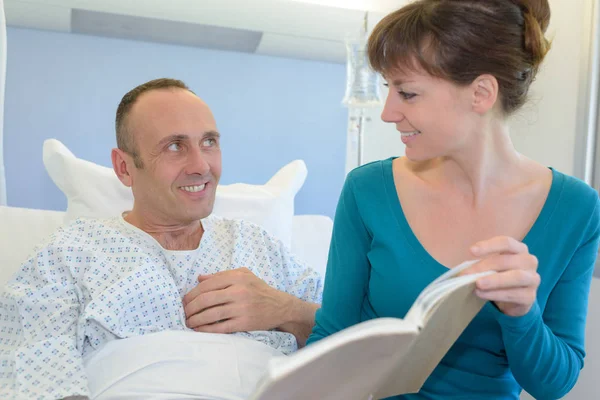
(94, 191)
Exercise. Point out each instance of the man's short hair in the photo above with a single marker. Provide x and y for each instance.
(125, 139)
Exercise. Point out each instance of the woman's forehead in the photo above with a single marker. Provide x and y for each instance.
(399, 77)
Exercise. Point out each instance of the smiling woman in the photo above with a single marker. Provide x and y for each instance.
(463, 192)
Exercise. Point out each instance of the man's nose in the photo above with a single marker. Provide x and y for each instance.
(197, 163)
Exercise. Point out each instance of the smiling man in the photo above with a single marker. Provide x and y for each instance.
(166, 265)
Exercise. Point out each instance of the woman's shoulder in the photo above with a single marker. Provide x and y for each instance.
(575, 192)
(369, 185)
(372, 172)
(577, 206)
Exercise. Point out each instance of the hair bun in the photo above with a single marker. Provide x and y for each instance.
(536, 15)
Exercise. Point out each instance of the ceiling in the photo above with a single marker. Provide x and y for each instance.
(304, 29)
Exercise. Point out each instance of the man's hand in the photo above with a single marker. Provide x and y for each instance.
(514, 288)
(237, 300)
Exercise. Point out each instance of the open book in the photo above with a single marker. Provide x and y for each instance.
(382, 357)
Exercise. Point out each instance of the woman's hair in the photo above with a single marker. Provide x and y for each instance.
(459, 40)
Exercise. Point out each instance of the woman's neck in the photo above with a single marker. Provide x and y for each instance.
(488, 166)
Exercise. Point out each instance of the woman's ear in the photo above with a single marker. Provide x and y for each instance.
(485, 93)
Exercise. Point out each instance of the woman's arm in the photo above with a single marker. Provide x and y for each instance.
(347, 276)
(545, 350)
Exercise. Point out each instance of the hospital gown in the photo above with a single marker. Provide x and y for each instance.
(95, 281)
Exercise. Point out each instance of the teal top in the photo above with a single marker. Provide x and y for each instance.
(377, 267)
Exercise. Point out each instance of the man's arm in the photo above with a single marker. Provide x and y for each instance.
(237, 300)
(299, 318)
(40, 309)
(280, 292)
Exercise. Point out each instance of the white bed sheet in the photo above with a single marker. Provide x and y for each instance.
(176, 365)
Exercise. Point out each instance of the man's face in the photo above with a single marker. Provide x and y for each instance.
(176, 137)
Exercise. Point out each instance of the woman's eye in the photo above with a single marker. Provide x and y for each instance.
(405, 95)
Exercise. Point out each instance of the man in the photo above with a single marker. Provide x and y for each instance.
(166, 265)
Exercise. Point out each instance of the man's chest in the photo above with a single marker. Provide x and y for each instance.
(141, 271)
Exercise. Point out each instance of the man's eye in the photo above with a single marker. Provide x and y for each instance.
(209, 142)
(174, 147)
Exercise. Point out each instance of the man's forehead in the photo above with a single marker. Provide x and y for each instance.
(171, 105)
(159, 115)
(183, 137)
(170, 98)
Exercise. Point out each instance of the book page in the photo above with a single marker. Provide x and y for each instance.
(445, 324)
(352, 365)
(380, 357)
(436, 290)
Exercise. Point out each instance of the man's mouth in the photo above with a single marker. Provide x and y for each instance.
(193, 189)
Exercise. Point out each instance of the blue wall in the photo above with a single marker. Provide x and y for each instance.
(269, 110)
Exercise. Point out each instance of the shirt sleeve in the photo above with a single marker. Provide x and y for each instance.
(347, 276)
(290, 274)
(40, 356)
(545, 350)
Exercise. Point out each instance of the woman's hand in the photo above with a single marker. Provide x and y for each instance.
(514, 288)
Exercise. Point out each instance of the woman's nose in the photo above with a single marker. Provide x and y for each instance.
(392, 109)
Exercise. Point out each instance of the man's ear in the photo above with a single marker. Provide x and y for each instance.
(122, 164)
(485, 93)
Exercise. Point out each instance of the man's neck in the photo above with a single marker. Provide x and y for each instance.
(184, 236)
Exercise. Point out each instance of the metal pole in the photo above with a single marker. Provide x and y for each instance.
(361, 138)
(591, 176)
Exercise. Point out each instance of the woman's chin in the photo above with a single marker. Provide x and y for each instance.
(418, 155)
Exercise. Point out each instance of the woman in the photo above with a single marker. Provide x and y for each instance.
(456, 70)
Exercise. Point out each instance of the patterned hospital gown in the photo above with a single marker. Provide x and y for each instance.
(99, 280)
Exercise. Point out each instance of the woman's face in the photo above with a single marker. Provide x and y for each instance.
(434, 116)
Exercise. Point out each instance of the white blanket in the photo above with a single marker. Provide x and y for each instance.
(177, 365)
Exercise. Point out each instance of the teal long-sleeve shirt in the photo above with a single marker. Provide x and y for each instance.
(377, 267)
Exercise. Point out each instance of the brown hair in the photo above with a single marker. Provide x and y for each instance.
(459, 40)
(125, 140)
